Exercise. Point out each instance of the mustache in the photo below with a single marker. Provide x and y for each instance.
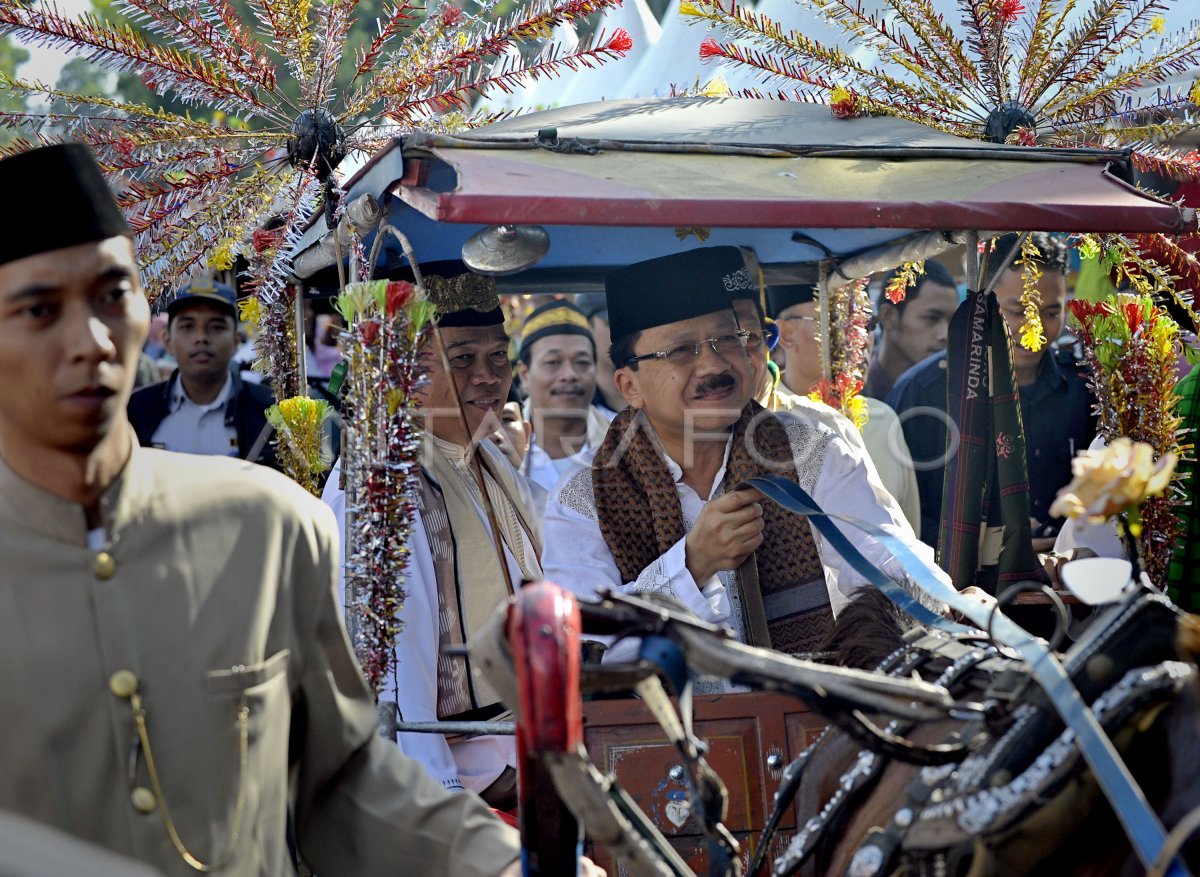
(715, 382)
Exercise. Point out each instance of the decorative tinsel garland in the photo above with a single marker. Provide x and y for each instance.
(299, 423)
(1131, 347)
(197, 191)
(849, 309)
(387, 323)
(906, 276)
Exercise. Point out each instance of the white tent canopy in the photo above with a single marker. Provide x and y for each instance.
(547, 91)
(654, 65)
(675, 60)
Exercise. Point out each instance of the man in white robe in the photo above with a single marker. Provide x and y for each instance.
(690, 391)
(453, 581)
(557, 367)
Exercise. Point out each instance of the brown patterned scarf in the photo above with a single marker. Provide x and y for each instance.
(640, 518)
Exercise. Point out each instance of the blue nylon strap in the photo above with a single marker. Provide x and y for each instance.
(1141, 824)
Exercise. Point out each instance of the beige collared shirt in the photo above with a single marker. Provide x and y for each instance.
(215, 588)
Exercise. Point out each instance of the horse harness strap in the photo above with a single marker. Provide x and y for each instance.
(854, 783)
(977, 812)
(878, 852)
(975, 817)
(1126, 798)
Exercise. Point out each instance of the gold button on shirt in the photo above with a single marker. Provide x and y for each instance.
(143, 800)
(123, 684)
(104, 566)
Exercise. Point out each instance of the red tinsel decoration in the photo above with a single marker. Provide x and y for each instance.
(266, 239)
(1008, 10)
(1026, 137)
(399, 293)
(451, 15)
(710, 49)
(621, 41)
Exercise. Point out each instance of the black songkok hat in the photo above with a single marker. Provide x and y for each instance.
(677, 287)
(593, 304)
(780, 298)
(63, 202)
(554, 318)
(463, 298)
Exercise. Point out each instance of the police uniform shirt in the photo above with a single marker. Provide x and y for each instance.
(198, 429)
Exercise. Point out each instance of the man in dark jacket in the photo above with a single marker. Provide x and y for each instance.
(1056, 406)
(204, 407)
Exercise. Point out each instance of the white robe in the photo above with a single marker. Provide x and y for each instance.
(472, 763)
(838, 477)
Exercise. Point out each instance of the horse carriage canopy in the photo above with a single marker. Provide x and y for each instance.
(617, 181)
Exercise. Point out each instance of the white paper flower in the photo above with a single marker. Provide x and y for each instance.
(1111, 479)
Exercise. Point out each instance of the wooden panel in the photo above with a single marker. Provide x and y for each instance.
(695, 852)
(803, 729)
(642, 762)
(742, 730)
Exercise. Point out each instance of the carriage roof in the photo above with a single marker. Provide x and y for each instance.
(631, 179)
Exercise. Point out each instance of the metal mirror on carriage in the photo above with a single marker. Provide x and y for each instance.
(1097, 580)
(499, 250)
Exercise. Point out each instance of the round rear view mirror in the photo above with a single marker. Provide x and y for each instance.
(1096, 580)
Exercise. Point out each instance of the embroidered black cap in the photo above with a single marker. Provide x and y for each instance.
(463, 298)
(676, 287)
(63, 201)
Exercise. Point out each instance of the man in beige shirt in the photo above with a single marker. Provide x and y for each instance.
(178, 676)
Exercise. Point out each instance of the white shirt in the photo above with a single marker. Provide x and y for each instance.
(197, 429)
(835, 475)
(882, 438)
(540, 468)
(472, 763)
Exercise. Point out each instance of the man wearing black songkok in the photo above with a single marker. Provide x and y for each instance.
(655, 512)
(170, 631)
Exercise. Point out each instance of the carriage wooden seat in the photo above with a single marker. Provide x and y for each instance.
(751, 737)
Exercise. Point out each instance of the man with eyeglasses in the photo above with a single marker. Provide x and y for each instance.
(656, 511)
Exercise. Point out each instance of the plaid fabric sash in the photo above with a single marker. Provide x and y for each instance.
(985, 535)
(640, 518)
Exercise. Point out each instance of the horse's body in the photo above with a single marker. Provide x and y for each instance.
(1074, 832)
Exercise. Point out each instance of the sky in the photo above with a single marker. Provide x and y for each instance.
(44, 64)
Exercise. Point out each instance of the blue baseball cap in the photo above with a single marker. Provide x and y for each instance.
(207, 291)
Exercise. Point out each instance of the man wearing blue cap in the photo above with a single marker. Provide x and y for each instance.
(204, 407)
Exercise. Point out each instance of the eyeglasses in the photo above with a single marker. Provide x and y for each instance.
(686, 354)
(796, 317)
(753, 339)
